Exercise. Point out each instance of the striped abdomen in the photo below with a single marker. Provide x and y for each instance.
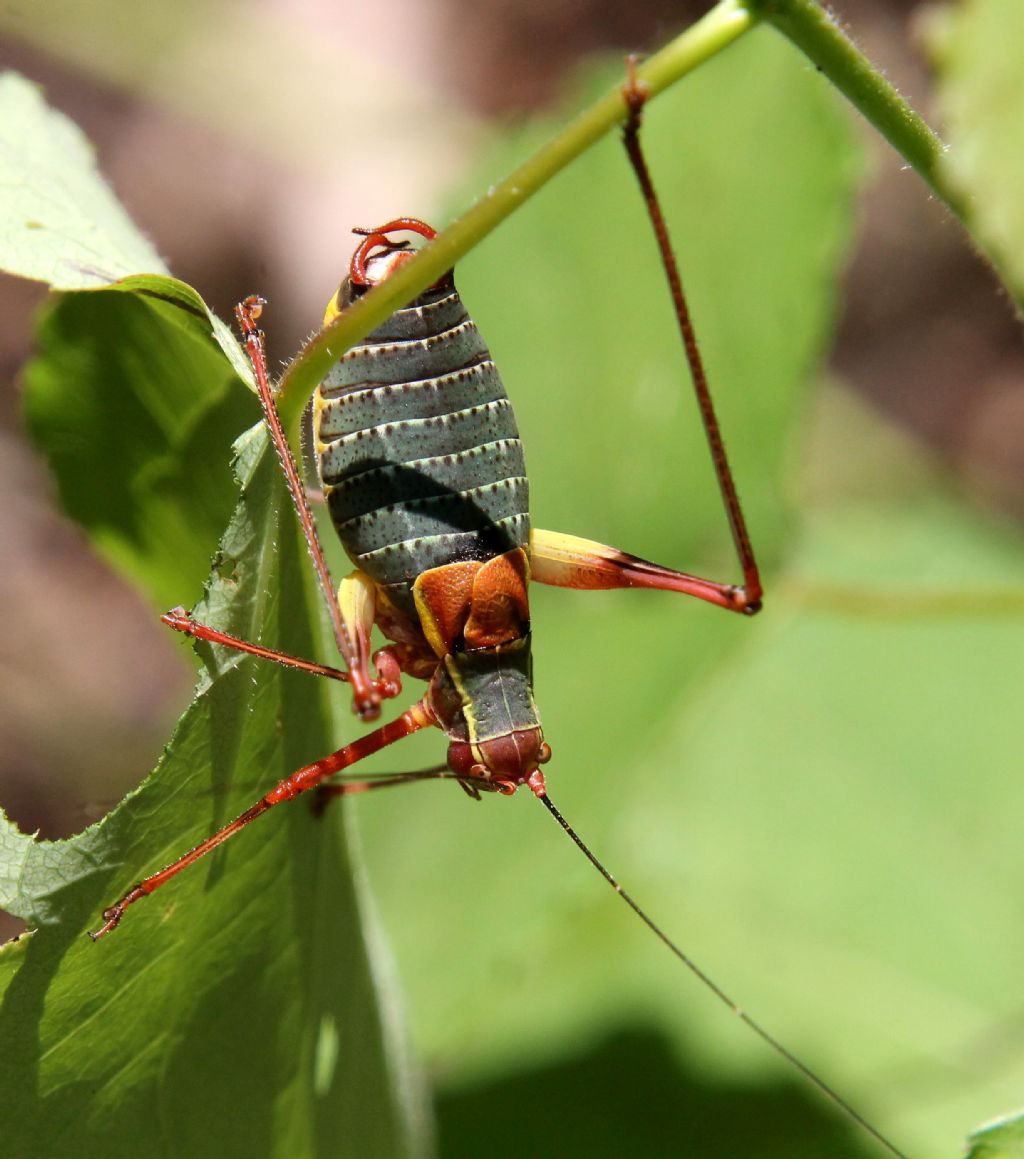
(418, 449)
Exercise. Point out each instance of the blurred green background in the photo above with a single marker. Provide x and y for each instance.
(822, 804)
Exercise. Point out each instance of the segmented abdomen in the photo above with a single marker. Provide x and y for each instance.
(418, 449)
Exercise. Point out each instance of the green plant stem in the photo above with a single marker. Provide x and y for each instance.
(726, 22)
(815, 32)
(804, 22)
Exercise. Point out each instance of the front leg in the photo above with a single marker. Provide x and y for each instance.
(357, 601)
(567, 561)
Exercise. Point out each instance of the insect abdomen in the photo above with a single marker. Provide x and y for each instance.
(418, 449)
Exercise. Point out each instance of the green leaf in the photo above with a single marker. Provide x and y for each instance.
(243, 1010)
(808, 801)
(1003, 1139)
(62, 224)
(139, 457)
(978, 47)
(235, 1011)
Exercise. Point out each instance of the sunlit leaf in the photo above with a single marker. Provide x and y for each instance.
(61, 224)
(242, 1010)
(1000, 1140)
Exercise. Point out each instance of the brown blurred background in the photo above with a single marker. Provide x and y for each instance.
(233, 132)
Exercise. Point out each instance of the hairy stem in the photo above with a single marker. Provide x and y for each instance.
(816, 33)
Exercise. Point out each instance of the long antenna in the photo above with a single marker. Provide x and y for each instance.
(784, 1052)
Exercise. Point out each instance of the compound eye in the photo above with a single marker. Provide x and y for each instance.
(544, 754)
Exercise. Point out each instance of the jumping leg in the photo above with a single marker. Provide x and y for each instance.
(568, 561)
